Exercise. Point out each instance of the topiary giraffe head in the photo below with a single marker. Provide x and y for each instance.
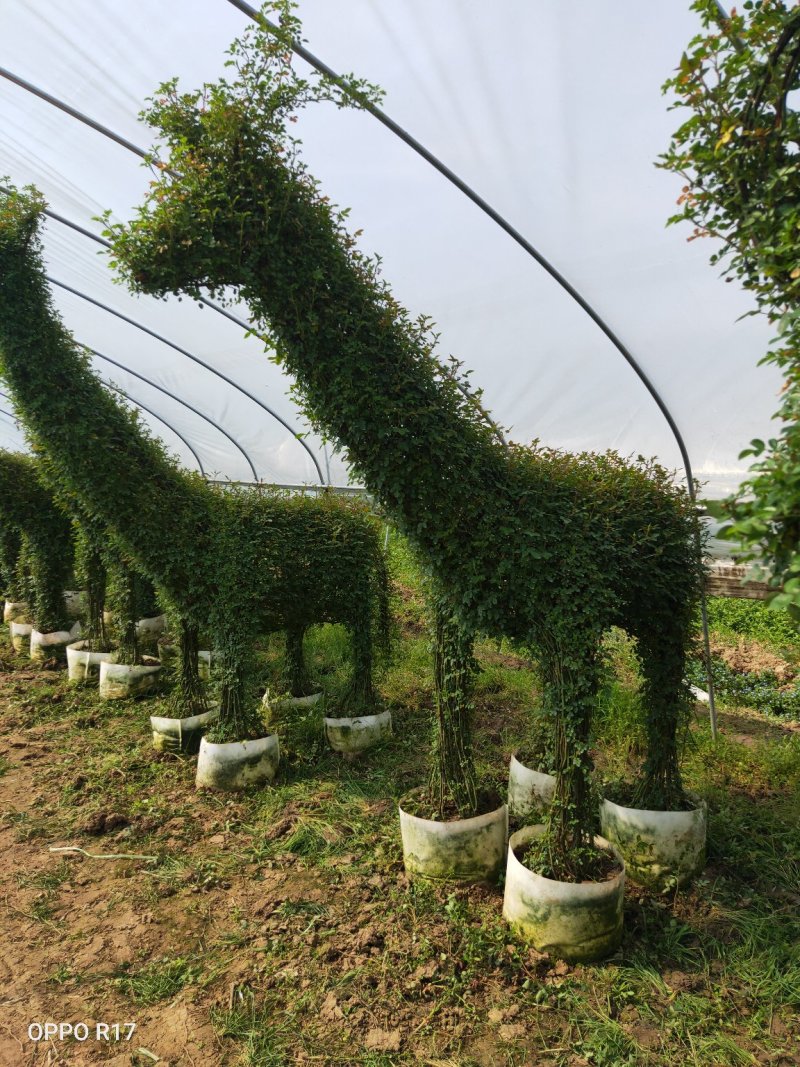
(226, 161)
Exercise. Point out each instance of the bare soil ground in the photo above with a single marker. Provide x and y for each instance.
(278, 927)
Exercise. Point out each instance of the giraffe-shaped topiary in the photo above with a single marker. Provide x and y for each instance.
(240, 563)
(58, 532)
(546, 548)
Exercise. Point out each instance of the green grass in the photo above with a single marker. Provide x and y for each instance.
(158, 980)
(43, 906)
(175, 873)
(26, 826)
(262, 1038)
(618, 720)
(62, 975)
(49, 880)
(734, 617)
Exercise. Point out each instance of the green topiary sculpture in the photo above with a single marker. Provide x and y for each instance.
(547, 548)
(238, 562)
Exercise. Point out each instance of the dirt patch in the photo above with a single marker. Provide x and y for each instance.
(510, 660)
(103, 822)
(746, 656)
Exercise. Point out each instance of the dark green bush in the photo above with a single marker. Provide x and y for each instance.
(760, 690)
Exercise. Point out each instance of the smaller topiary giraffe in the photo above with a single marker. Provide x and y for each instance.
(235, 562)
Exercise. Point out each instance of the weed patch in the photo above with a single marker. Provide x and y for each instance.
(158, 980)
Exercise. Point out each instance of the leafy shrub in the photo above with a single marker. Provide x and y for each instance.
(25, 504)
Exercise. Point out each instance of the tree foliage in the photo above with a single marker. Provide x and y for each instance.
(739, 155)
(130, 596)
(547, 548)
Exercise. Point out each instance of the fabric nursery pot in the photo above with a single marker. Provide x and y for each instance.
(662, 849)
(82, 665)
(576, 921)
(237, 764)
(181, 735)
(20, 635)
(459, 850)
(354, 735)
(121, 680)
(52, 645)
(530, 792)
(16, 611)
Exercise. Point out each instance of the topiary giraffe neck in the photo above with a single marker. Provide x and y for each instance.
(121, 474)
(369, 379)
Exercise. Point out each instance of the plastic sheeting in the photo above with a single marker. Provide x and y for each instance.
(550, 111)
